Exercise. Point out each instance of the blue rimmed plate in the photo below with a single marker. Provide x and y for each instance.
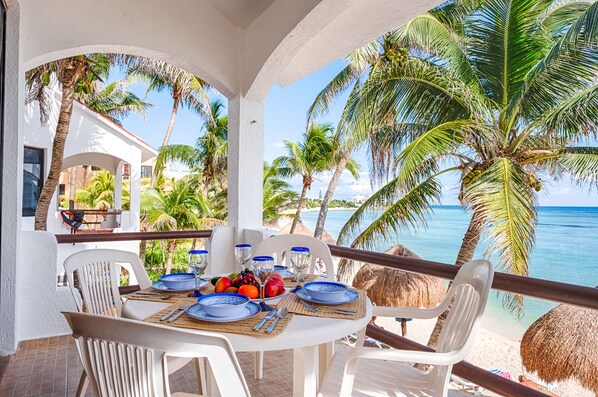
(349, 296)
(159, 285)
(195, 311)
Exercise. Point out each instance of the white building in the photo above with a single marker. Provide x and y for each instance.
(241, 47)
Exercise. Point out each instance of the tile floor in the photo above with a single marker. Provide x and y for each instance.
(50, 367)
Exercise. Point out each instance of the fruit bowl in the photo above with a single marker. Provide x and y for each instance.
(223, 304)
(179, 281)
(326, 291)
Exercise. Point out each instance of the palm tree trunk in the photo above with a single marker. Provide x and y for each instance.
(468, 247)
(340, 167)
(171, 247)
(299, 205)
(175, 108)
(70, 71)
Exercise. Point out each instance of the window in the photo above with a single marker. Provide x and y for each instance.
(146, 171)
(33, 179)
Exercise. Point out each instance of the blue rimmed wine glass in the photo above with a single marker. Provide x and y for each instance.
(300, 257)
(243, 254)
(263, 267)
(198, 261)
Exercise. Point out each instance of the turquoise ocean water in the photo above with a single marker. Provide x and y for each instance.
(566, 250)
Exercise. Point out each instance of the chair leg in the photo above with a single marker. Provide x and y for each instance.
(83, 385)
(202, 381)
(259, 365)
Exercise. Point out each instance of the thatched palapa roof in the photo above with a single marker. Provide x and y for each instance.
(563, 344)
(392, 287)
(301, 228)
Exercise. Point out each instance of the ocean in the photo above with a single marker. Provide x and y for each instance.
(566, 250)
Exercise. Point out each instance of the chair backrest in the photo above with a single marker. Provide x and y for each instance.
(469, 294)
(98, 272)
(129, 358)
(279, 247)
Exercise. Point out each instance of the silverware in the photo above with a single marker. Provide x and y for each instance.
(176, 316)
(280, 313)
(161, 296)
(168, 316)
(326, 308)
(259, 325)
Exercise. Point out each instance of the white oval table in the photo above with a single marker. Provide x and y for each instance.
(303, 334)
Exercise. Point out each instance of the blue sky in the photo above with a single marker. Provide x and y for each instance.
(285, 115)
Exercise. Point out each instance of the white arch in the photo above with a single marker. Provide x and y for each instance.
(192, 35)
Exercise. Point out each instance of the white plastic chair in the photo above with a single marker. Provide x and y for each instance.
(280, 246)
(98, 272)
(129, 358)
(366, 371)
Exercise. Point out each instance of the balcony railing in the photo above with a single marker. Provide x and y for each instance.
(528, 286)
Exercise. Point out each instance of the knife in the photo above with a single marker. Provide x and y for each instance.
(259, 325)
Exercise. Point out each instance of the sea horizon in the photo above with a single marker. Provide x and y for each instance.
(565, 251)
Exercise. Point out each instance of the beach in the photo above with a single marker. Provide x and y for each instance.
(565, 251)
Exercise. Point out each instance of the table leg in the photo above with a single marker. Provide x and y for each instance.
(326, 351)
(305, 371)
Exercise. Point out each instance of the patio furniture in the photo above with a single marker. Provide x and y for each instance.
(98, 272)
(279, 247)
(364, 371)
(130, 358)
(304, 334)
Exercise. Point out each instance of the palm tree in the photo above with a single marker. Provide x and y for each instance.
(277, 194)
(178, 209)
(506, 98)
(361, 63)
(308, 158)
(100, 192)
(208, 157)
(75, 77)
(115, 102)
(185, 88)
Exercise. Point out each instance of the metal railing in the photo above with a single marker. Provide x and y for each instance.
(528, 286)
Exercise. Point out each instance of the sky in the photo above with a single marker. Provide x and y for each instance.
(285, 119)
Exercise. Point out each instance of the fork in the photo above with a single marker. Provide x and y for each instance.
(171, 316)
(161, 296)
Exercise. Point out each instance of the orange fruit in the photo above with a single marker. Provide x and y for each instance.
(250, 291)
(231, 289)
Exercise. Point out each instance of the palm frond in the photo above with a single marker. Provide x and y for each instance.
(506, 202)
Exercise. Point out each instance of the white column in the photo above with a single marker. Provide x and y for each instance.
(135, 191)
(12, 180)
(245, 163)
(118, 186)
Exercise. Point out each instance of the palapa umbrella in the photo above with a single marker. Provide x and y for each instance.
(563, 344)
(301, 228)
(386, 286)
(327, 238)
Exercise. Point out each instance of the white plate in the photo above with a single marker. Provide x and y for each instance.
(350, 296)
(252, 309)
(158, 285)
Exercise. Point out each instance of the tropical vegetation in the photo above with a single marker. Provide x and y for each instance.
(99, 194)
(502, 94)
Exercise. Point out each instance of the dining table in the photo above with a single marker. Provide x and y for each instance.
(311, 339)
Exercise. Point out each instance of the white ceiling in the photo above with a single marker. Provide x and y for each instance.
(241, 12)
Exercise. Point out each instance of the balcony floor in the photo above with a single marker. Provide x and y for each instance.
(50, 367)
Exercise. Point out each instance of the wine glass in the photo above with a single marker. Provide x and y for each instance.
(263, 267)
(300, 257)
(198, 261)
(243, 254)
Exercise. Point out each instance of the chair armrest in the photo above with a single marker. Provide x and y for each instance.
(409, 356)
(404, 312)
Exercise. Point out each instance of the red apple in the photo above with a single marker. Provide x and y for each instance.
(222, 284)
(274, 287)
(277, 276)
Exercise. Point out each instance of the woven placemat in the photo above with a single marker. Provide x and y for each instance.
(243, 327)
(294, 305)
(174, 296)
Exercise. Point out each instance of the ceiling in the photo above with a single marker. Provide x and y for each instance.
(241, 12)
